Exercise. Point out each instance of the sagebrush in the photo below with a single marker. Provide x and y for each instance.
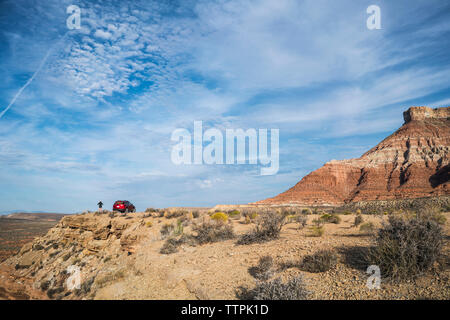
(293, 289)
(268, 227)
(407, 247)
(320, 261)
(264, 269)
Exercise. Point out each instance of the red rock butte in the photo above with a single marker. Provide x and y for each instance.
(413, 162)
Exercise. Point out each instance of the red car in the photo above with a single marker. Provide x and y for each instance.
(124, 206)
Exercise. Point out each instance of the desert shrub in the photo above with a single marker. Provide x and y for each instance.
(67, 256)
(54, 291)
(268, 228)
(166, 230)
(406, 248)
(185, 219)
(253, 216)
(367, 227)
(434, 214)
(320, 261)
(112, 215)
(358, 220)
(195, 214)
(213, 231)
(51, 255)
(293, 289)
(45, 285)
(290, 218)
(220, 216)
(301, 220)
(316, 231)
(263, 270)
(148, 224)
(358, 211)
(334, 219)
(315, 211)
(87, 285)
(234, 214)
(37, 247)
(178, 230)
(318, 222)
(189, 216)
(174, 214)
(288, 212)
(306, 211)
(117, 275)
(330, 218)
(170, 246)
(150, 210)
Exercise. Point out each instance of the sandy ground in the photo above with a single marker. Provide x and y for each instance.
(216, 271)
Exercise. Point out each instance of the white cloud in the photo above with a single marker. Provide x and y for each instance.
(102, 34)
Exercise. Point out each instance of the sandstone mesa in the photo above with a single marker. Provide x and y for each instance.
(413, 162)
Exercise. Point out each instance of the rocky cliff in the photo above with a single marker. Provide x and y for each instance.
(413, 162)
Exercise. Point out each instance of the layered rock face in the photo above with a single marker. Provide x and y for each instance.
(413, 162)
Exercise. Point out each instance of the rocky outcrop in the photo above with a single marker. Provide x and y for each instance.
(413, 162)
(84, 241)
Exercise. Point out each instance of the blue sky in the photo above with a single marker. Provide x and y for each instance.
(96, 120)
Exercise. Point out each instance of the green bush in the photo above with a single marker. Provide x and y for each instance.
(178, 230)
(234, 213)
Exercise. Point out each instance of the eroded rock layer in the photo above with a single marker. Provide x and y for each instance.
(413, 162)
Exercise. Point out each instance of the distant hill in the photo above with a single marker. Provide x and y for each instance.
(35, 216)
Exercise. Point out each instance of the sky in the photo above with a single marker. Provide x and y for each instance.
(87, 114)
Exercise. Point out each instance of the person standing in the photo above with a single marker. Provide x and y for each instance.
(100, 206)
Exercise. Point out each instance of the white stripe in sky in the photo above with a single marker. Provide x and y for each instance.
(32, 77)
